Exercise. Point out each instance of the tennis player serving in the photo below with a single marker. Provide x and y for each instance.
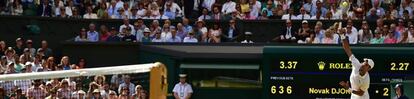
(359, 76)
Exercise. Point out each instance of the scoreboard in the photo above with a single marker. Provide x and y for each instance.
(311, 72)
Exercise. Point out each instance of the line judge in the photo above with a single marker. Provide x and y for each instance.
(359, 78)
(182, 90)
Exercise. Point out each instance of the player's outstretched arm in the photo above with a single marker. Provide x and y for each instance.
(345, 45)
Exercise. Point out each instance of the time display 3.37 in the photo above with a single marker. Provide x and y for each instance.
(315, 72)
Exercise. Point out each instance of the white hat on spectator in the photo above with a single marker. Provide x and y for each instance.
(48, 83)
(96, 91)
(248, 33)
(182, 75)
(147, 30)
(81, 92)
(28, 63)
(304, 21)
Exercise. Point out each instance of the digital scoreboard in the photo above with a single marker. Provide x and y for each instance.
(311, 72)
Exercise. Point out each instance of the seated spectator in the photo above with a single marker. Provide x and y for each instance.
(104, 33)
(128, 85)
(232, 33)
(133, 14)
(89, 14)
(411, 34)
(290, 15)
(64, 63)
(336, 13)
(128, 37)
(19, 46)
(264, 15)
(112, 95)
(318, 16)
(372, 16)
(64, 91)
(36, 92)
(390, 38)
(158, 37)
(303, 15)
(400, 28)
(378, 38)
(101, 10)
(405, 8)
(276, 14)
(18, 94)
(319, 7)
(82, 37)
(204, 15)
(312, 38)
(3, 48)
(200, 29)
(45, 10)
(352, 36)
(228, 7)
(214, 34)
(216, 14)
(126, 24)
(141, 10)
(165, 33)
(29, 45)
(365, 33)
(181, 32)
(96, 94)
(329, 37)
(17, 8)
(172, 10)
(76, 13)
(404, 37)
(173, 38)
(247, 37)
(138, 94)
(121, 14)
(80, 95)
(93, 35)
(146, 35)
(190, 38)
(62, 13)
(303, 32)
(113, 37)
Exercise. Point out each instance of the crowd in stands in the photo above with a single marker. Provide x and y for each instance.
(213, 9)
(183, 32)
(25, 58)
(393, 33)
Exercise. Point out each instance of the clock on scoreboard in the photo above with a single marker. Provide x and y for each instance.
(315, 71)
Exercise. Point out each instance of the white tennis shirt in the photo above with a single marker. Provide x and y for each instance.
(358, 81)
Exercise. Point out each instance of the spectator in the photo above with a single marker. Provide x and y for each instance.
(96, 94)
(119, 4)
(93, 35)
(364, 33)
(3, 65)
(289, 15)
(19, 46)
(173, 38)
(165, 33)
(18, 94)
(319, 33)
(26, 56)
(36, 91)
(141, 10)
(133, 14)
(44, 10)
(214, 34)
(303, 32)
(228, 7)
(208, 4)
(138, 92)
(64, 91)
(393, 29)
(146, 35)
(186, 25)
(154, 10)
(49, 65)
(82, 37)
(75, 13)
(62, 13)
(352, 36)
(232, 33)
(126, 24)
(303, 15)
(20, 61)
(101, 10)
(393, 13)
(113, 37)
(158, 37)
(105, 92)
(104, 33)
(80, 94)
(404, 37)
(192, 8)
(89, 14)
(70, 6)
(99, 79)
(190, 38)
(112, 95)
(255, 8)
(399, 92)
(411, 34)
(264, 15)
(405, 8)
(37, 63)
(268, 8)
(390, 38)
(3, 48)
(181, 32)
(312, 38)
(139, 27)
(319, 7)
(112, 8)
(173, 8)
(318, 16)
(127, 83)
(216, 15)
(11, 70)
(372, 16)
(378, 38)
(329, 37)
(17, 8)
(247, 37)
(52, 94)
(64, 63)
(128, 37)
(182, 90)
(205, 15)
(121, 14)
(29, 45)
(400, 28)
(124, 94)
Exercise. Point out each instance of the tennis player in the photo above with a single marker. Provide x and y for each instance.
(359, 76)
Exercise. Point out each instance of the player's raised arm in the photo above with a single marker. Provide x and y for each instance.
(345, 45)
